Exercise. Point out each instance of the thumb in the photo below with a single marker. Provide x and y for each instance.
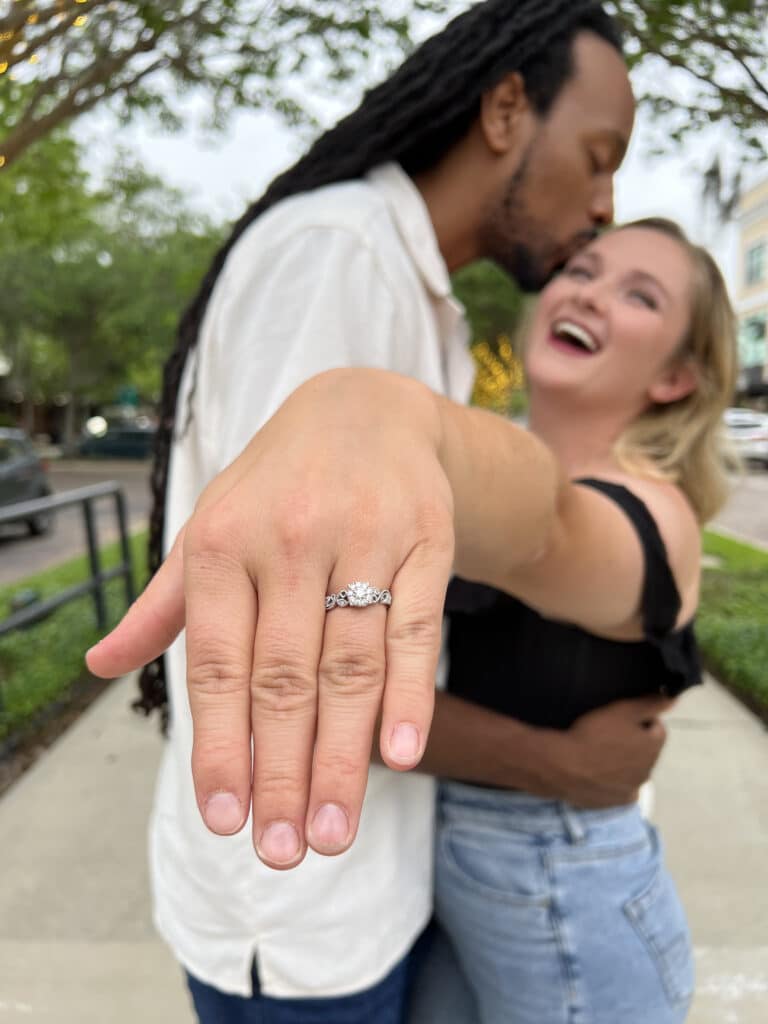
(150, 625)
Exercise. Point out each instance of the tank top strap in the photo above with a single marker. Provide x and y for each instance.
(660, 597)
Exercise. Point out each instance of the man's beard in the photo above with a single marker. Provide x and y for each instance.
(516, 241)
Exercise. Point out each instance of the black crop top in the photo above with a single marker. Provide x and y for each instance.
(508, 657)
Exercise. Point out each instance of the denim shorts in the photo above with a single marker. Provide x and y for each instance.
(556, 915)
(384, 1003)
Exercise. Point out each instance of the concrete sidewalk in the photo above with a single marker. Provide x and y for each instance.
(76, 941)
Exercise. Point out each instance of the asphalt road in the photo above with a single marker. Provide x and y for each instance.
(746, 514)
(22, 555)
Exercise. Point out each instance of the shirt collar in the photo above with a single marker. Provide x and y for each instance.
(414, 225)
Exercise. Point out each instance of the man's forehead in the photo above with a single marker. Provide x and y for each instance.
(598, 96)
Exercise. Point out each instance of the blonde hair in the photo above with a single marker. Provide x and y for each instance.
(683, 441)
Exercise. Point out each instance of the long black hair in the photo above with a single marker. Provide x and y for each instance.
(414, 118)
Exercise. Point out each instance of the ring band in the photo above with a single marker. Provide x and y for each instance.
(358, 595)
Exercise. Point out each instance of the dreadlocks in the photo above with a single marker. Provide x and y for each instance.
(414, 118)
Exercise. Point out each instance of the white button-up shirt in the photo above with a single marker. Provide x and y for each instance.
(347, 275)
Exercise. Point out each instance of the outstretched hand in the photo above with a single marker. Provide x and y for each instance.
(287, 523)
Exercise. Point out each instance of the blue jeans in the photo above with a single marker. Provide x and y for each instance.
(382, 1004)
(556, 916)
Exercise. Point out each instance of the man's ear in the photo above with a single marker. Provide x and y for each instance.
(503, 113)
(679, 379)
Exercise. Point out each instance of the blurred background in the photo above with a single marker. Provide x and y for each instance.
(132, 134)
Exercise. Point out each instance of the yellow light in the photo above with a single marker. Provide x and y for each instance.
(80, 20)
(3, 67)
(34, 59)
(2, 160)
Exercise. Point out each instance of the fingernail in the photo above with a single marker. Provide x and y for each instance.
(223, 814)
(405, 744)
(330, 828)
(279, 843)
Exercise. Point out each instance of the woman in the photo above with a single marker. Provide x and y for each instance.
(593, 539)
(554, 913)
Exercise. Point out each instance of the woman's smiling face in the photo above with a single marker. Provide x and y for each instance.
(608, 327)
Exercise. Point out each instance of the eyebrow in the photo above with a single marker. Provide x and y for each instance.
(641, 275)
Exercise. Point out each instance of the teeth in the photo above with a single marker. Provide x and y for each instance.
(568, 329)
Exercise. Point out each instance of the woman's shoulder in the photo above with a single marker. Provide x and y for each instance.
(678, 526)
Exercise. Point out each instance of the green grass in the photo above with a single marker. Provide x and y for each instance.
(40, 665)
(733, 618)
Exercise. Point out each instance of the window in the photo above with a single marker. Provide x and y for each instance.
(752, 340)
(756, 263)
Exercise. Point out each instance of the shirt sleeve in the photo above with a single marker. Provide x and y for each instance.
(318, 301)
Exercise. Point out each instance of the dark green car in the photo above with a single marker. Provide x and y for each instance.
(120, 442)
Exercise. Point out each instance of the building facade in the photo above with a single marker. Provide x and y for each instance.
(751, 293)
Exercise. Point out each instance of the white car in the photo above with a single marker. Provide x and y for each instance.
(748, 432)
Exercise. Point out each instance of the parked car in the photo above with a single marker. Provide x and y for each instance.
(23, 476)
(748, 432)
(118, 440)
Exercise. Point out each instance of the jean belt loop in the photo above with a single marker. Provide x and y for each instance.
(574, 828)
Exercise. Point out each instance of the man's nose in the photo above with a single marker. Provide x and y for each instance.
(602, 203)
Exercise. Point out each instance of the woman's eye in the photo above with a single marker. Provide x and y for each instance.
(647, 300)
(577, 271)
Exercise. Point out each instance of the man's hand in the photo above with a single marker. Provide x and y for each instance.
(606, 755)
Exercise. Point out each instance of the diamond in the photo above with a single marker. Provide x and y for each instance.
(360, 595)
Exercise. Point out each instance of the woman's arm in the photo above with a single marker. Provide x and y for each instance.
(562, 547)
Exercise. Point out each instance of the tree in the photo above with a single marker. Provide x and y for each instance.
(91, 281)
(719, 50)
(494, 308)
(147, 54)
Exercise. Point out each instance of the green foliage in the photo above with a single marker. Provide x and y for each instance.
(704, 62)
(40, 664)
(148, 56)
(732, 624)
(93, 282)
(491, 298)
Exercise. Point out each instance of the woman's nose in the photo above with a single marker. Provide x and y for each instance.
(590, 294)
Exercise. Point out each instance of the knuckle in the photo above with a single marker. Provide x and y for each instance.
(416, 633)
(338, 765)
(294, 527)
(216, 671)
(283, 687)
(283, 782)
(356, 670)
(215, 752)
(209, 536)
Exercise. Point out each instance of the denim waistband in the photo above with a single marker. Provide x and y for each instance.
(524, 812)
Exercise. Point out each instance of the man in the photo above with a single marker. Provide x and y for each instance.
(499, 138)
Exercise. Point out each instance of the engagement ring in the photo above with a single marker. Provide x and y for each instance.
(358, 595)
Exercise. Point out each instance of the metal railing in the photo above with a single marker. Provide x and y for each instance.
(95, 584)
